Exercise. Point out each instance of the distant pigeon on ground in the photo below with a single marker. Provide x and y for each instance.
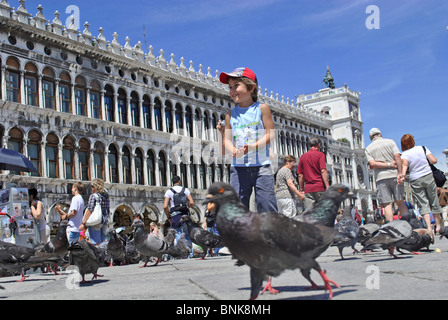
(203, 238)
(116, 247)
(15, 258)
(348, 230)
(181, 249)
(87, 257)
(391, 235)
(366, 232)
(147, 244)
(420, 238)
(270, 243)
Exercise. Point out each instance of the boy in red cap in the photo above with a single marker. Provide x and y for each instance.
(247, 136)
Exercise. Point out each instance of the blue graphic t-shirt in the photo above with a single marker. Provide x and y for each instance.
(247, 128)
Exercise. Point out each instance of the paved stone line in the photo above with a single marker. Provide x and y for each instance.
(207, 292)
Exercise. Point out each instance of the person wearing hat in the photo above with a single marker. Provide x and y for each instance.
(384, 158)
(247, 136)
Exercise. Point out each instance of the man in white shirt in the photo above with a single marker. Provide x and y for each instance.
(384, 157)
(75, 212)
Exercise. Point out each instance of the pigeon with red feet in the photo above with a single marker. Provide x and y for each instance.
(88, 257)
(270, 243)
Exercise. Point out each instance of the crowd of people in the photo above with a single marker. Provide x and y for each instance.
(246, 134)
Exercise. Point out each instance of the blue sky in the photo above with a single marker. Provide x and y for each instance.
(400, 69)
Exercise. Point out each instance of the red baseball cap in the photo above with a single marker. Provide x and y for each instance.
(237, 73)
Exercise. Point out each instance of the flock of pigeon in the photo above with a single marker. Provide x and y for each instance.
(268, 243)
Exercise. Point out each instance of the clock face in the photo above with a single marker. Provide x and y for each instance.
(360, 174)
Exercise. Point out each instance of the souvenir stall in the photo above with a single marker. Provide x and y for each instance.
(17, 224)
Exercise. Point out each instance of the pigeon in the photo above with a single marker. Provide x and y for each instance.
(116, 247)
(418, 239)
(147, 244)
(365, 233)
(203, 238)
(443, 232)
(348, 230)
(87, 256)
(270, 243)
(413, 221)
(15, 258)
(390, 235)
(181, 249)
(58, 245)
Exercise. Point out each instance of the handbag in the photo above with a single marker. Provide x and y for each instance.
(97, 215)
(439, 176)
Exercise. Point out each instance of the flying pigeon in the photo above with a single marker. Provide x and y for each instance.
(203, 238)
(87, 257)
(15, 258)
(348, 230)
(270, 243)
(147, 244)
(420, 238)
(391, 235)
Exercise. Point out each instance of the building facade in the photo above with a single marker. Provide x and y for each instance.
(81, 107)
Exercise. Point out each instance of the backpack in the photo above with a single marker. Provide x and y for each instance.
(180, 201)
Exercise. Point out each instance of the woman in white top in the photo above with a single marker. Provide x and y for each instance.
(423, 186)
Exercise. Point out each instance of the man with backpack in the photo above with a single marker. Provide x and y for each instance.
(177, 202)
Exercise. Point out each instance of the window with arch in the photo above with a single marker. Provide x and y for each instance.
(15, 142)
(65, 100)
(179, 123)
(158, 114)
(193, 175)
(51, 156)
(122, 109)
(203, 175)
(68, 157)
(34, 151)
(168, 117)
(151, 165)
(30, 85)
(48, 89)
(12, 80)
(189, 121)
(126, 163)
(146, 110)
(84, 159)
(80, 96)
(207, 126)
(135, 110)
(162, 169)
(113, 164)
(95, 100)
(139, 167)
(197, 120)
(213, 129)
(184, 174)
(109, 104)
(98, 160)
